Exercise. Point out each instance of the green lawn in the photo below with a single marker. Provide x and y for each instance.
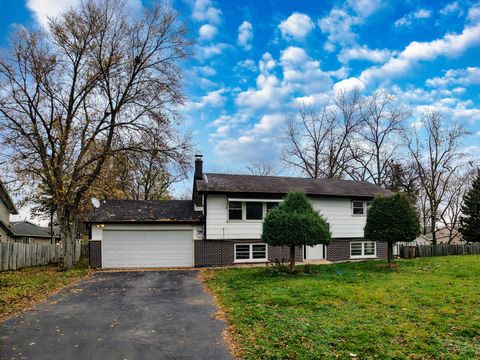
(22, 288)
(424, 309)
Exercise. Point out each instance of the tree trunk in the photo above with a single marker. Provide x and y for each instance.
(292, 259)
(433, 231)
(390, 254)
(67, 234)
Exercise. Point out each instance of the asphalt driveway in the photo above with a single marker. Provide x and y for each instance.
(120, 315)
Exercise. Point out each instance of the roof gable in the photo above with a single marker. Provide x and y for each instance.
(28, 229)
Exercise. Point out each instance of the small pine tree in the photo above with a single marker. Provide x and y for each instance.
(294, 223)
(470, 218)
(392, 219)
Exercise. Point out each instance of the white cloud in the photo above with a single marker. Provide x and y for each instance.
(340, 22)
(247, 64)
(363, 53)
(268, 123)
(43, 9)
(301, 76)
(213, 99)
(451, 8)
(409, 18)
(303, 73)
(349, 84)
(474, 14)
(296, 26)
(205, 11)
(207, 32)
(245, 35)
(365, 8)
(468, 76)
(209, 51)
(450, 45)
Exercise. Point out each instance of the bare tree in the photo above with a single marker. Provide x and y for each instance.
(317, 140)
(452, 206)
(86, 89)
(379, 134)
(434, 149)
(402, 177)
(261, 167)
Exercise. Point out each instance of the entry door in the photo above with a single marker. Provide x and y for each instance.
(314, 252)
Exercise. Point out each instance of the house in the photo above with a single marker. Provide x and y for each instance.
(30, 233)
(443, 237)
(222, 223)
(6, 208)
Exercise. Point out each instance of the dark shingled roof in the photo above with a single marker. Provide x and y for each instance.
(152, 211)
(27, 229)
(226, 183)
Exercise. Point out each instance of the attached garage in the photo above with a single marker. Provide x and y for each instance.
(144, 234)
(147, 248)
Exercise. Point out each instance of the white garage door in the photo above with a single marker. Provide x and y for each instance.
(147, 248)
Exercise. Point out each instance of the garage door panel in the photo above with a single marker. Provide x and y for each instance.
(147, 248)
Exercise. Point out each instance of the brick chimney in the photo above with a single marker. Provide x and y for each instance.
(198, 167)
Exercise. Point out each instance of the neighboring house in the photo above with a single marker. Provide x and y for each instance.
(6, 208)
(222, 224)
(443, 236)
(29, 233)
(421, 240)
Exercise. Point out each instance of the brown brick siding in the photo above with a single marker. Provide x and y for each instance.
(222, 252)
(95, 254)
(339, 249)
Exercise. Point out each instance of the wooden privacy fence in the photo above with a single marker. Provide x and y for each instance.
(439, 250)
(14, 256)
(444, 250)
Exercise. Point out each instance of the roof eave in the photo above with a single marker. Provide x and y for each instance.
(8, 200)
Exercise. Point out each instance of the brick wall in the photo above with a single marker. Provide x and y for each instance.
(95, 254)
(339, 249)
(222, 252)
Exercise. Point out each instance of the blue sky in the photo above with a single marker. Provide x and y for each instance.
(255, 61)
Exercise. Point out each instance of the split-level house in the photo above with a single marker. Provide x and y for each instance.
(222, 224)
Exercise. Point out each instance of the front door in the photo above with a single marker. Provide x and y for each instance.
(315, 252)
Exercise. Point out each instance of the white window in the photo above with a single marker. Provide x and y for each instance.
(254, 211)
(363, 249)
(235, 210)
(360, 207)
(250, 252)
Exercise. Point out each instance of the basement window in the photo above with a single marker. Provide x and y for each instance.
(250, 252)
(363, 249)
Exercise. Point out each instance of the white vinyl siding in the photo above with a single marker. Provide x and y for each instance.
(337, 211)
(363, 249)
(250, 252)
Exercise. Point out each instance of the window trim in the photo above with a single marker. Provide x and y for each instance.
(365, 204)
(363, 256)
(250, 253)
(244, 209)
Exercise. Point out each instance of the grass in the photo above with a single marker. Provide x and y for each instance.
(22, 288)
(423, 309)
